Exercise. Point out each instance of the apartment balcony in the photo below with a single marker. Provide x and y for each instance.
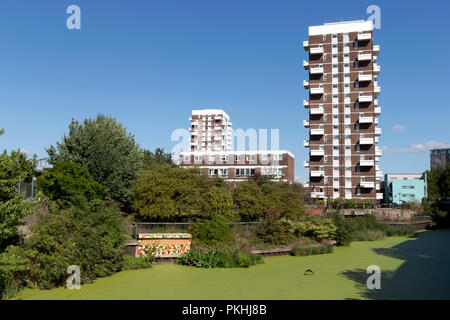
(317, 132)
(306, 164)
(367, 184)
(365, 119)
(377, 90)
(364, 36)
(375, 120)
(364, 77)
(379, 174)
(364, 57)
(378, 131)
(317, 194)
(378, 152)
(317, 153)
(316, 70)
(365, 98)
(306, 45)
(375, 102)
(316, 50)
(316, 90)
(376, 68)
(306, 123)
(306, 143)
(366, 163)
(306, 103)
(318, 110)
(377, 111)
(379, 196)
(305, 64)
(317, 173)
(366, 141)
(306, 185)
(306, 84)
(376, 49)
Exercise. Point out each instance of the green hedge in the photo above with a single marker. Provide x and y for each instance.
(306, 251)
(219, 259)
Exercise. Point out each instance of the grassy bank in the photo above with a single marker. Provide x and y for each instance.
(412, 268)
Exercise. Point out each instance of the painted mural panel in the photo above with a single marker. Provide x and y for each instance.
(164, 245)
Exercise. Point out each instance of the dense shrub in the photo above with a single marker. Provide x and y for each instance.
(141, 262)
(368, 235)
(274, 231)
(344, 232)
(317, 228)
(213, 232)
(393, 231)
(306, 251)
(91, 238)
(13, 268)
(69, 184)
(231, 258)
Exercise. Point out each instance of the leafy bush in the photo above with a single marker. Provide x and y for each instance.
(231, 258)
(13, 267)
(69, 184)
(274, 231)
(306, 251)
(317, 228)
(91, 238)
(393, 231)
(344, 232)
(213, 232)
(368, 235)
(141, 262)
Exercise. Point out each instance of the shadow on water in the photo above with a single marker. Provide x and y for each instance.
(425, 273)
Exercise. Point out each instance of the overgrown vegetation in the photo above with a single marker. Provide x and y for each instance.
(311, 250)
(225, 258)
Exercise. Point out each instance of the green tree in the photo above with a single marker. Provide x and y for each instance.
(159, 157)
(249, 200)
(105, 149)
(69, 184)
(285, 199)
(14, 168)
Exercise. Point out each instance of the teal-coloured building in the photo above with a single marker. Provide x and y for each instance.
(401, 188)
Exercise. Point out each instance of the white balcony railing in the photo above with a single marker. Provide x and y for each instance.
(306, 164)
(316, 50)
(317, 173)
(378, 131)
(318, 110)
(317, 194)
(316, 70)
(306, 143)
(306, 123)
(306, 84)
(306, 103)
(376, 68)
(367, 184)
(364, 36)
(377, 110)
(365, 119)
(379, 196)
(317, 153)
(364, 57)
(378, 151)
(316, 90)
(366, 141)
(306, 45)
(305, 64)
(317, 132)
(364, 77)
(365, 98)
(376, 49)
(366, 163)
(377, 89)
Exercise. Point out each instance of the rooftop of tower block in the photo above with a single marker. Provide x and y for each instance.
(341, 27)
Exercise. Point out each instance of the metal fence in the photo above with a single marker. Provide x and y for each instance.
(29, 190)
(176, 227)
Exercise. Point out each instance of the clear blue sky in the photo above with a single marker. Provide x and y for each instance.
(149, 63)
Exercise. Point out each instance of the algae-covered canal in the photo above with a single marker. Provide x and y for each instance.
(417, 267)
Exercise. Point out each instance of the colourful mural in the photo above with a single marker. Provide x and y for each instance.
(164, 245)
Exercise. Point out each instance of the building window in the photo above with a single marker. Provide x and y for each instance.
(251, 157)
(324, 37)
(355, 65)
(358, 190)
(355, 44)
(356, 106)
(325, 57)
(265, 157)
(325, 77)
(356, 84)
(357, 148)
(325, 118)
(326, 180)
(187, 158)
(198, 158)
(325, 97)
(325, 159)
(278, 157)
(223, 158)
(357, 127)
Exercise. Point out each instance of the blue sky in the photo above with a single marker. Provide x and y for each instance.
(149, 63)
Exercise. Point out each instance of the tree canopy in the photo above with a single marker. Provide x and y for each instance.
(107, 151)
